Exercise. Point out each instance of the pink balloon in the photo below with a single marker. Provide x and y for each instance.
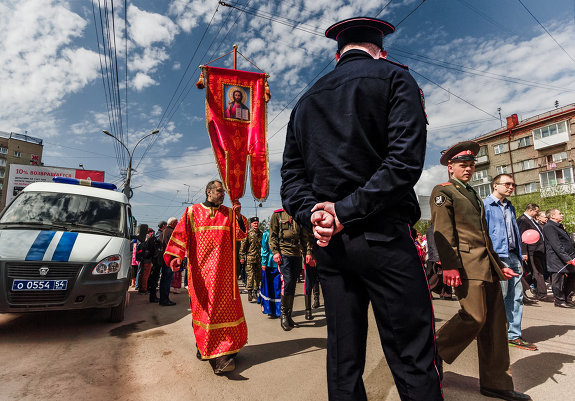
(530, 236)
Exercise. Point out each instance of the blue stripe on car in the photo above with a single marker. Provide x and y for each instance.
(64, 248)
(38, 248)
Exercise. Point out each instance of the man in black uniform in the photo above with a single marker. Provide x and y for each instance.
(355, 148)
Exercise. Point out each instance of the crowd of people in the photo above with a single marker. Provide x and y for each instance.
(347, 190)
(545, 264)
(272, 263)
(151, 275)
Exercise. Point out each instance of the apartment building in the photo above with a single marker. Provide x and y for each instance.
(18, 149)
(537, 151)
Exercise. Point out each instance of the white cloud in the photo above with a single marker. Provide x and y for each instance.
(536, 60)
(40, 64)
(142, 81)
(190, 13)
(431, 177)
(147, 28)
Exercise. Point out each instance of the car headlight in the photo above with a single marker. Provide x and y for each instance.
(108, 265)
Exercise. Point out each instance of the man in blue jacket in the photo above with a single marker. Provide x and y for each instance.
(504, 233)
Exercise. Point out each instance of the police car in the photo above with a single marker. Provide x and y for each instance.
(66, 245)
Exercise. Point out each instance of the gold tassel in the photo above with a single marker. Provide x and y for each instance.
(200, 83)
(267, 94)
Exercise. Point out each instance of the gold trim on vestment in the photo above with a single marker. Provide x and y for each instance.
(208, 228)
(173, 254)
(179, 242)
(220, 354)
(219, 325)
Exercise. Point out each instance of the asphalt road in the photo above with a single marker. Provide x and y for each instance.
(151, 356)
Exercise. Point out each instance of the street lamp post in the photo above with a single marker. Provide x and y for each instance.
(127, 188)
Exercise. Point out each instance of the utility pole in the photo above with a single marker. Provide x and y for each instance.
(127, 190)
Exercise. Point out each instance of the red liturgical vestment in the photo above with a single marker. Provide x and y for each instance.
(204, 234)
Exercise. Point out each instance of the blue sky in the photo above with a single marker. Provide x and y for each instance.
(469, 57)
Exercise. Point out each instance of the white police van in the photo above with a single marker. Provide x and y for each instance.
(66, 245)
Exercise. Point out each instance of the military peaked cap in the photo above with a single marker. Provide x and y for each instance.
(359, 29)
(252, 219)
(460, 152)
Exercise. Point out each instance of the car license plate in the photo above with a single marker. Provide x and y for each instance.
(39, 285)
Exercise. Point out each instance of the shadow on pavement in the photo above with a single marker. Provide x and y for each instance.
(534, 370)
(252, 355)
(318, 320)
(59, 325)
(461, 387)
(537, 334)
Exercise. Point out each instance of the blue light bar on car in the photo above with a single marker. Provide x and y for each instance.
(88, 183)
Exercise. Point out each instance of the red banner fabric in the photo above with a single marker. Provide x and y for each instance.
(236, 121)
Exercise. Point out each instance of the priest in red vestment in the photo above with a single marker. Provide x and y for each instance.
(204, 234)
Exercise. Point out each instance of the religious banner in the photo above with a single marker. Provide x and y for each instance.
(236, 122)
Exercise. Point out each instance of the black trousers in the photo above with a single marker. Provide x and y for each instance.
(354, 272)
(311, 278)
(153, 279)
(537, 262)
(290, 269)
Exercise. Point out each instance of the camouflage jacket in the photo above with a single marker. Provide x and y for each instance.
(251, 247)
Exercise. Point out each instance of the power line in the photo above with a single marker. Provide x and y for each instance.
(175, 107)
(409, 15)
(459, 97)
(109, 72)
(545, 29)
(469, 70)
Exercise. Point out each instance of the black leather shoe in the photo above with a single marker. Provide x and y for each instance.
(169, 303)
(563, 304)
(223, 364)
(509, 395)
(153, 300)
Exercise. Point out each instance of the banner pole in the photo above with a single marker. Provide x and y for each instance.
(235, 258)
(235, 57)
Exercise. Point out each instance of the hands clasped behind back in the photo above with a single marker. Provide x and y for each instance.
(325, 222)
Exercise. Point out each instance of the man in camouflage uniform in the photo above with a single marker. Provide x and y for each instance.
(286, 243)
(250, 254)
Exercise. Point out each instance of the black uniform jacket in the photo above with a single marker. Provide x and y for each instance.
(558, 246)
(524, 223)
(357, 138)
(461, 233)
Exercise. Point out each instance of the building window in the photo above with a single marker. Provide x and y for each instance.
(556, 157)
(498, 149)
(482, 151)
(479, 175)
(527, 164)
(550, 130)
(1, 185)
(531, 187)
(482, 190)
(523, 142)
(502, 169)
(2, 174)
(3, 150)
(2, 162)
(17, 153)
(556, 177)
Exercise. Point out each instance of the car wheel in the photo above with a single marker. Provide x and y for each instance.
(117, 312)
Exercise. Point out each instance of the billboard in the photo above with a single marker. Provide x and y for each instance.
(21, 175)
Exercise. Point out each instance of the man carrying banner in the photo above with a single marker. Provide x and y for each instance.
(204, 234)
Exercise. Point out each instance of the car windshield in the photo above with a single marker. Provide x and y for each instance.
(77, 212)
